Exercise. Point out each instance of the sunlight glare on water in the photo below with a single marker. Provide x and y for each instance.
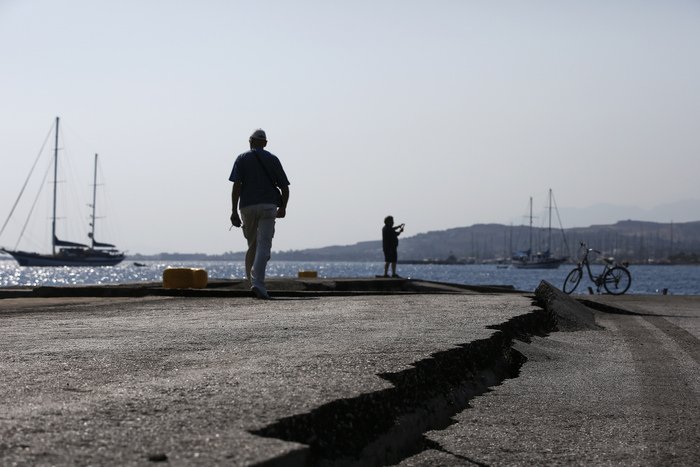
(680, 280)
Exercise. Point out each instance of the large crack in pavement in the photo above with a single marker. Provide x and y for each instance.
(387, 426)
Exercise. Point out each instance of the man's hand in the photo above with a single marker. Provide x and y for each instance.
(281, 212)
(235, 219)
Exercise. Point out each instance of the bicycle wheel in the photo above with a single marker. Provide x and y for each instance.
(617, 280)
(572, 280)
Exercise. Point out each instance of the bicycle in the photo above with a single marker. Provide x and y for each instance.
(615, 278)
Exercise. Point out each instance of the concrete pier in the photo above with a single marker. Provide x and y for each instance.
(346, 372)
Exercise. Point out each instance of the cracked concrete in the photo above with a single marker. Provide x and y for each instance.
(98, 381)
(623, 392)
(356, 379)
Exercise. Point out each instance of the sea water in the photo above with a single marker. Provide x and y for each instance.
(646, 279)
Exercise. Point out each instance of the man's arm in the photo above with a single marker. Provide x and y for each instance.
(282, 210)
(235, 196)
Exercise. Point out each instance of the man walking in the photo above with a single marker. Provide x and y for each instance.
(258, 178)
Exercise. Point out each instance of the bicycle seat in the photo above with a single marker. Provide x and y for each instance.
(610, 260)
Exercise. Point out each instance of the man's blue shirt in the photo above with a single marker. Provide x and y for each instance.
(256, 186)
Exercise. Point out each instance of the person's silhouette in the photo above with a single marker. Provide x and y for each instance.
(390, 244)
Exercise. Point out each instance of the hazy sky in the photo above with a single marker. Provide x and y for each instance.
(442, 113)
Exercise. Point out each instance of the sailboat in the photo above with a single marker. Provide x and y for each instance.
(66, 253)
(541, 259)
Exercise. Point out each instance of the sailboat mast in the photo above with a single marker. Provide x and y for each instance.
(55, 184)
(530, 252)
(94, 199)
(549, 232)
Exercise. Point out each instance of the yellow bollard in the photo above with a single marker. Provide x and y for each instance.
(307, 274)
(199, 278)
(185, 278)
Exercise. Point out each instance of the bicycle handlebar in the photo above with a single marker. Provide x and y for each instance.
(583, 244)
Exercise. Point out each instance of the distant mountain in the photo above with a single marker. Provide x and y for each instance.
(629, 240)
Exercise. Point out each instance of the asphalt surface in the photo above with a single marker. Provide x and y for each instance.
(410, 378)
(627, 393)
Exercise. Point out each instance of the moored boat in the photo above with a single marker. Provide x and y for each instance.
(542, 259)
(66, 253)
